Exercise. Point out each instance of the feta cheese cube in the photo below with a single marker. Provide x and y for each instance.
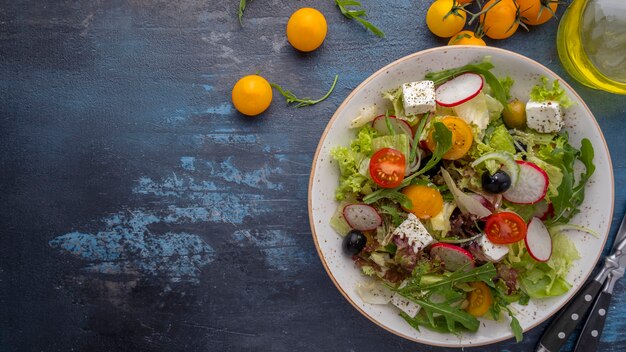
(418, 97)
(494, 252)
(416, 234)
(409, 307)
(544, 117)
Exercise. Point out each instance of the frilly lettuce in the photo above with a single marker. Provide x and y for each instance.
(350, 162)
(540, 280)
(501, 140)
(542, 92)
(363, 141)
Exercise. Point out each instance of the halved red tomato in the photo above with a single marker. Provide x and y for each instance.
(505, 228)
(387, 167)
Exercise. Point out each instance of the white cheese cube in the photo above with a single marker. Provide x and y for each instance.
(409, 307)
(494, 252)
(416, 234)
(418, 97)
(544, 117)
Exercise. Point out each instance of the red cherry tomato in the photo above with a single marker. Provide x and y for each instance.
(505, 228)
(387, 167)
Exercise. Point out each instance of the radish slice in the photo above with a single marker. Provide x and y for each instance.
(398, 126)
(459, 89)
(531, 186)
(454, 257)
(362, 217)
(538, 241)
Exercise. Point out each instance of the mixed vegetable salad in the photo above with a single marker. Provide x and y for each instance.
(454, 198)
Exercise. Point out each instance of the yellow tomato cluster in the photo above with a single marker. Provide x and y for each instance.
(306, 31)
(496, 19)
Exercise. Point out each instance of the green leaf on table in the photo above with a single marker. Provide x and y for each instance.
(290, 97)
(357, 14)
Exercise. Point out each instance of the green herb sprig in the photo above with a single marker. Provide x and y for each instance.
(242, 8)
(292, 98)
(358, 15)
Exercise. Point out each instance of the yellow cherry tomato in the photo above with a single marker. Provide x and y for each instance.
(306, 29)
(479, 299)
(515, 115)
(462, 138)
(535, 12)
(252, 95)
(463, 2)
(426, 201)
(445, 18)
(501, 20)
(466, 38)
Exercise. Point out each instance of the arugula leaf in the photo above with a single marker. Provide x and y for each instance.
(481, 68)
(393, 212)
(392, 132)
(242, 8)
(518, 332)
(416, 138)
(500, 302)
(483, 273)
(570, 195)
(451, 314)
(357, 15)
(443, 136)
(292, 98)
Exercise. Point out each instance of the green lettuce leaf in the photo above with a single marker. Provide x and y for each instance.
(540, 280)
(543, 92)
(363, 141)
(501, 140)
(350, 181)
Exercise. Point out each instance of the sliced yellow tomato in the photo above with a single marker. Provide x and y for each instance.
(462, 138)
(426, 201)
(479, 299)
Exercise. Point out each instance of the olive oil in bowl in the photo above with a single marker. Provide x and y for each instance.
(591, 42)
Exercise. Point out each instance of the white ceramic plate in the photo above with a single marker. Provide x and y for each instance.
(596, 212)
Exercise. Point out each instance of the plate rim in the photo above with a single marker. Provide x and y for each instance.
(336, 115)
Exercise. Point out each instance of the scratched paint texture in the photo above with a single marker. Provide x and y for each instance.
(140, 212)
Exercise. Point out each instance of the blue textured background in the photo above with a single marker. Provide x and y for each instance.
(140, 212)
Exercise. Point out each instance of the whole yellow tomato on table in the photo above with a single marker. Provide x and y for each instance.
(306, 29)
(252, 95)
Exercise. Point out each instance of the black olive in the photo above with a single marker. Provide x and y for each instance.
(435, 169)
(496, 183)
(354, 242)
(520, 147)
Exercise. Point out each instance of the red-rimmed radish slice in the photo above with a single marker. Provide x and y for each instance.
(531, 186)
(398, 126)
(459, 89)
(362, 217)
(453, 257)
(538, 241)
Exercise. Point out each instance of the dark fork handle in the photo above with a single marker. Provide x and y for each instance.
(559, 330)
(589, 338)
